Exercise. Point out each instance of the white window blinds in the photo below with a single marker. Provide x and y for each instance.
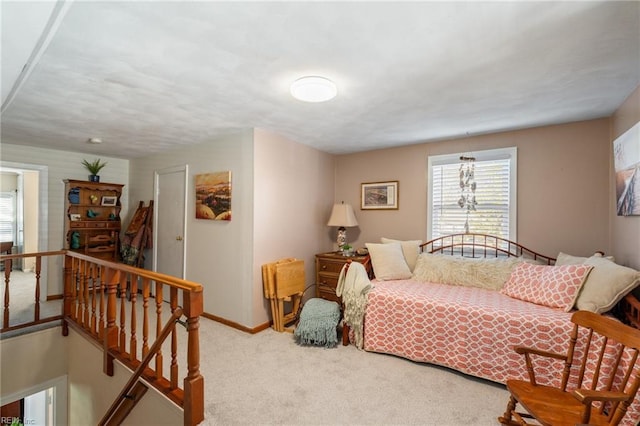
(495, 195)
(7, 216)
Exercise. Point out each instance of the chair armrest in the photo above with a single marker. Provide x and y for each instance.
(527, 352)
(523, 350)
(587, 396)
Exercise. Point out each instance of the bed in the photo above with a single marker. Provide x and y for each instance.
(472, 328)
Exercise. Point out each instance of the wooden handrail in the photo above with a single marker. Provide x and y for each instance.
(168, 328)
(104, 284)
(94, 304)
(156, 276)
(35, 254)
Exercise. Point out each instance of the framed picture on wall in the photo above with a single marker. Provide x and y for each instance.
(626, 156)
(109, 200)
(379, 195)
(213, 196)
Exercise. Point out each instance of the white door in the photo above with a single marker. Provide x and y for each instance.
(170, 221)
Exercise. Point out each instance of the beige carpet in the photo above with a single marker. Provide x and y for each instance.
(267, 379)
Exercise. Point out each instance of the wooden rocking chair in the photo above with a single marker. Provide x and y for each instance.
(600, 378)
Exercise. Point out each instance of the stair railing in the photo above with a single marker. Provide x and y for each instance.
(9, 287)
(119, 410)
(117, 306)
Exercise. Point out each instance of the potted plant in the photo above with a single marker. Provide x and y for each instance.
(94, 168)
(347, 250)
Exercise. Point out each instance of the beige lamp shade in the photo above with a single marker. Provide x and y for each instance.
(342, 215)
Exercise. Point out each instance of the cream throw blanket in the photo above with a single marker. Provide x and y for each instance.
(353, 286)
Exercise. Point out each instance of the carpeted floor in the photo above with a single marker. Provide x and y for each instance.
(268, 379)
(22, 302)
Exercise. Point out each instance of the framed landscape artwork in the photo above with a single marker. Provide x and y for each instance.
(379, 196)
(213, 196)
(626, 156)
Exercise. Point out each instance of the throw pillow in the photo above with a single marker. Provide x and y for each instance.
(552, 286)
(567, 259)
(607, 283)
(388, 261)
(490, 273)
(410, 250)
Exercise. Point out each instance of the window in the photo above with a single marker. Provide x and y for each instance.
(495, 176)
(7, 216)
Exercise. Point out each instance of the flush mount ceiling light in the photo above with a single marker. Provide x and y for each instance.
(313, 89)
(95, 140)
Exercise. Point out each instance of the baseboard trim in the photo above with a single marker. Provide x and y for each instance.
(55, 297)
(237, 326)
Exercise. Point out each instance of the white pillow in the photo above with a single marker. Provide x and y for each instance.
(567, 259)
(388, 261)
(607, 283)
(410, 250)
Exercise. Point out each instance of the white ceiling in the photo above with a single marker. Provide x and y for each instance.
(152, 76)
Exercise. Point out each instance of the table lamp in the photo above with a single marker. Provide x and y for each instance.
(342, 216)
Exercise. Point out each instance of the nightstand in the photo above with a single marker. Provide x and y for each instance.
(328, 267)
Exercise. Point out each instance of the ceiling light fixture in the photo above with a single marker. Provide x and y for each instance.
(314, 89)
(95, 140)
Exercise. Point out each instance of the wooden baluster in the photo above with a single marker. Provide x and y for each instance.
(112, 278)
(86, 323)
(145, 316)
(7, 279)
(73, 287)
(133, 342)
(79, 294)
(66, 306)
(95, 283)
(123, 312)
(38, 271)
(174, 341)
(103, 300)
(159, 357)
(103, 290)
(193, 384)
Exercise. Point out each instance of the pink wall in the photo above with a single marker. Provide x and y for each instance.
(293, 195)
(625, 230)
(563, 186)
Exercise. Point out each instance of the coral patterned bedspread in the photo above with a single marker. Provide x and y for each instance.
(469, 329)
(476, 329)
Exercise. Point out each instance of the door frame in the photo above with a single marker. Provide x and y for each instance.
(43, 213)
(156, 192)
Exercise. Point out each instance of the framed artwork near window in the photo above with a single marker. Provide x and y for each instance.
(626, 155)
(379, 195)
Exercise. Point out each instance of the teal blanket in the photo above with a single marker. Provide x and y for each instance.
(318, 323)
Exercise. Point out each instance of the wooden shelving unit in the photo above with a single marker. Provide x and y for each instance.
(92, 218)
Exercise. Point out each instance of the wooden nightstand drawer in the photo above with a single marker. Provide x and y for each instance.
(331, 266)
(330, 281)
(328, 267)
